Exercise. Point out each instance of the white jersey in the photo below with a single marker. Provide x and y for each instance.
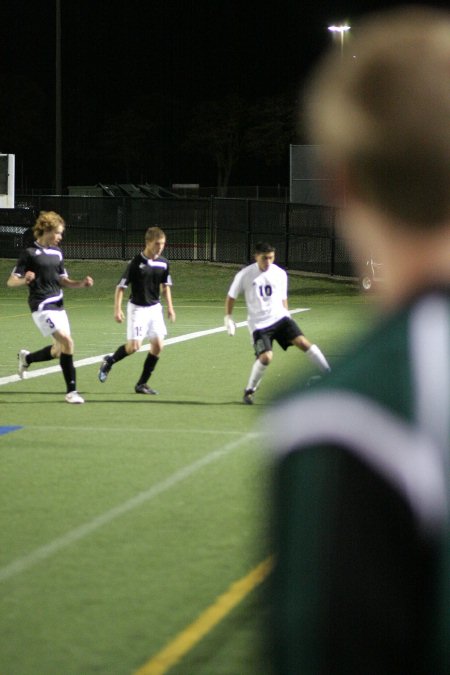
(264, 294)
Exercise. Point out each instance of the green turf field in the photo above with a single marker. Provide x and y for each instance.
(129, 518)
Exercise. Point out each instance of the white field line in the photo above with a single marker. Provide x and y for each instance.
(97, 359)
(44, 552)
(142, 429)
(78, 533)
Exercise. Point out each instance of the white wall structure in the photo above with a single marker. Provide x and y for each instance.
(7, 181)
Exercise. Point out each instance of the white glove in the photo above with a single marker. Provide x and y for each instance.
(229, 325)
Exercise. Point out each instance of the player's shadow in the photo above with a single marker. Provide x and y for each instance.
(58, 397)
(152, 400)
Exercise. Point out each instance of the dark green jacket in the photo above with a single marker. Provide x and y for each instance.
(360, 513)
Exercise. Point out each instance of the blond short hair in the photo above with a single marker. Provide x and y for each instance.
(381, 112)
(154, 233)
(47, 221)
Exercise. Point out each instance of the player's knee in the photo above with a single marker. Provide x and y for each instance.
(132, 347)
(55, 351)
(66, 345)
(156, 347)
(265, 358)
(302, 343)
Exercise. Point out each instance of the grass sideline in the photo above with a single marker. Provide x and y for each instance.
(140, 514)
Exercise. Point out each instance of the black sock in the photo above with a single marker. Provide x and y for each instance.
(149, 366)
(119, 354)
(68, 369)
(44, 354)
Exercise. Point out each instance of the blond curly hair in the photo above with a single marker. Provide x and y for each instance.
(47, 221)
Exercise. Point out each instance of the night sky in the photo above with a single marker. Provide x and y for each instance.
(134, 74)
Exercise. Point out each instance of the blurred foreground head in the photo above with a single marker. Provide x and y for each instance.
(381, 114)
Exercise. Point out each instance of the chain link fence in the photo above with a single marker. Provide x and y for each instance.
(222, 230)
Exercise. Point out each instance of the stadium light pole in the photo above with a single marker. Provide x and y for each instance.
(58, 123)
(342, 29)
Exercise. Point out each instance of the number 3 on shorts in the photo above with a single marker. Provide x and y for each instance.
(50, 322)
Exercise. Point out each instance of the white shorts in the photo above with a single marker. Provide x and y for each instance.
(145, 322)
(50, 320)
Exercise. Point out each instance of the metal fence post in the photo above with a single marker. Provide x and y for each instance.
(212, 236)
(287, 233)
(333, 245)
(121, 226)
(249, 230)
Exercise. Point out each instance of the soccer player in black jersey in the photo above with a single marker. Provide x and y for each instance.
(41, 268)
(147, 274)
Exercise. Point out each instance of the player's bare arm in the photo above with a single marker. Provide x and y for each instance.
(118, 298)
(168, 296)
(87, 282)
(229, 305)
(15, 281)
(228, 320)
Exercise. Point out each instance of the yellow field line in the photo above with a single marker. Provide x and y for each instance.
(188, 638)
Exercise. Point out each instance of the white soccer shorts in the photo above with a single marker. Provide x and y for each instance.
(145, 322)
(50, 320)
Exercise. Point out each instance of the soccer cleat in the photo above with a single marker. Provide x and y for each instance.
(104, 369)
(74, 397)
(23, 365)
(248, 396)
(144, 389)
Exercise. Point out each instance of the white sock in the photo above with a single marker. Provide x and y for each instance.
(256, 374)
(315, 356)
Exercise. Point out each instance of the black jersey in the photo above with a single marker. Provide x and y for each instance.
(45, 291)
(145, 276)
